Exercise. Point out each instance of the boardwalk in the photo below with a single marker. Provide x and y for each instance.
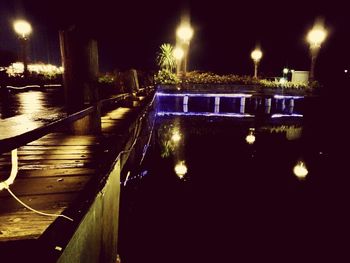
(54, 169)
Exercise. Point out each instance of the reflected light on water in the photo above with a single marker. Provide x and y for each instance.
(180, 169)
(31, 102)
(250, 139)
(300, 170)
(176, 137)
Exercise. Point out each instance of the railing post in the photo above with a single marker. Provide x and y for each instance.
(268, 105)
(242, 105)
(185, 104)
(291, 106)
(283, 105)
(217, 105)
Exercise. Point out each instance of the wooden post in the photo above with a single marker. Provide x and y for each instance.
(80, 61)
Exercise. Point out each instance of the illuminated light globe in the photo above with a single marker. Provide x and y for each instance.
(250, 139)
(256, 55)
(180, 169)
(176, 137)
(285, 71)
(300, 170)
(316, 35)
(22, 28)
(184, 32)
(178, 53)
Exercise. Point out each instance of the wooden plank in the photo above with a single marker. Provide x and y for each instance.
(51, 152)
(25, 224)
(47, 185)
(57, 147)
(47, 161)
(39, 202)
(56, 172)
(63, 142)
(31, 157)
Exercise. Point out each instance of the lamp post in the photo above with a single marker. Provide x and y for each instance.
(178, 54)
(256, 55)
(184, 33)
(315, 37)
(23, 30)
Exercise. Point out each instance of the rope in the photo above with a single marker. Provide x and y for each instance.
(32, 209)
(6, 185)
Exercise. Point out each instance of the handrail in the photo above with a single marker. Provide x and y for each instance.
(9, 144)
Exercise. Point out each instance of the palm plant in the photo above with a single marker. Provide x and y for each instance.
(165, 58)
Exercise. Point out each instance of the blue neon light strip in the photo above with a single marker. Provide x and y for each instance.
(287, 97)
(207, 114)
(227, 95)
(277, 115)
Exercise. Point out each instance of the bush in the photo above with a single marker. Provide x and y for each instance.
(165, 76)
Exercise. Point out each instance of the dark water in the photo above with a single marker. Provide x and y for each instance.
(31, 103)
(237, 202)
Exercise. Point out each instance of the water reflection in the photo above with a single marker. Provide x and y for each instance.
(176, 137)
(300, 170)
(31, 102)
(250, 138)
(170, 137)
(293, 132)
(180, 169)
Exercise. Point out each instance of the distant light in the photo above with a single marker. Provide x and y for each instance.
(176, 137)
(287, 97)
(300, 170)
(22, 28)
(226, 95)
(285, 70)
(316, 35)
(206, 114)
(180, 169)
(345, 71)
(178, 53)
(184, 32)
(256, 54)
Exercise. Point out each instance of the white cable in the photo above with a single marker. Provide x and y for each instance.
(6, 185)
(14, 169)
(32, 209)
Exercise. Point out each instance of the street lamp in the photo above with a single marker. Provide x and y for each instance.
(315, 37)
(23, 29)
(256, 55)
(184, 33)
(178, 54)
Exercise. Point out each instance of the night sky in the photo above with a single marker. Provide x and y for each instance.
(129, 33)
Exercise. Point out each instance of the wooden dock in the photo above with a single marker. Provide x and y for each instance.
(55, 169)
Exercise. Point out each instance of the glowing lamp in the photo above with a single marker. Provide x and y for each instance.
(316, 35)
(22, 28)
(256, 55)
(178, 53)
(184, 32)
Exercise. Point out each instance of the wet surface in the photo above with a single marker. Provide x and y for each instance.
(26, 110)
(218, 189)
